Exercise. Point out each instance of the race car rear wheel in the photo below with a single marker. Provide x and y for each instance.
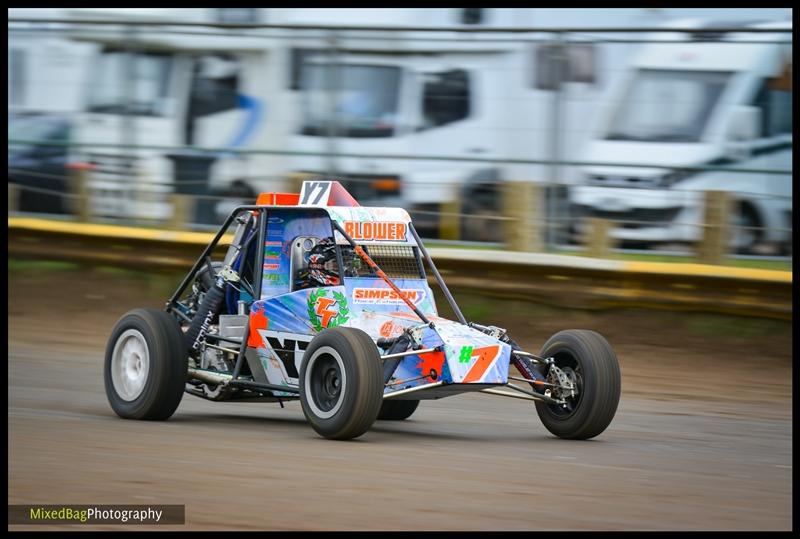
(394, 410)
(145, 365)
(589, 362)
(341, 383)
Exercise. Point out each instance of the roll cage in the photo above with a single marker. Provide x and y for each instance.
(251, 224)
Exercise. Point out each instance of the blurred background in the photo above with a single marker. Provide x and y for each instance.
(653, 130)
(583, 141)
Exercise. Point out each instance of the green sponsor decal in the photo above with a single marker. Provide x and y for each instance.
(324, 312)
(272, 253)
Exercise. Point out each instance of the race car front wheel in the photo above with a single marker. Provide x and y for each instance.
(341, 383)
(145, 365)
(587, 362)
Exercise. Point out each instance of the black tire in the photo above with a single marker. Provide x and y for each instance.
(341, 383)
(159, 334)
(482, 206)
(240, 189)
(394, 410)
(747, 234)
(239, 193)
(596, 370)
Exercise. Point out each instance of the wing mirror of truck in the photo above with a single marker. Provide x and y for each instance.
(745, 124)
(215, 84)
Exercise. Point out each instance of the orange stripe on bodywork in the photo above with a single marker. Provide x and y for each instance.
(258, 320)
(278, 199)
(431, 360)
(486, 357)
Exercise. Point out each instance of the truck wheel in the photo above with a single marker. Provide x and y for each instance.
(481, 206)
(586, 358)
(146, 365)
(239, 193)
(394, 410)
(747, 233)
(341, 383)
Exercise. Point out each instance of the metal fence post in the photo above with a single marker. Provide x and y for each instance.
(131, 191)
(182, 210)
(13, 197)
(714, 244)
(450, 219)
(559, 59)
(523, 203)
(333, 121)
(79, 184)
(599, 241)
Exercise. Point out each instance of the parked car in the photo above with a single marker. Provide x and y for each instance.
(39, 169)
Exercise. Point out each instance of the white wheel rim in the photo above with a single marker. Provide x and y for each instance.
(130, 364)
(307, 382)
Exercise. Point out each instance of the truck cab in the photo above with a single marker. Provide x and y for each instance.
(153, 97)
(695, 104)
(468, 104)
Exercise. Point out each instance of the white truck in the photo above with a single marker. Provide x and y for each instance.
(483, 100)
(485, 97)
(684, 104)
(456, 99)
(39, 59)
(465, 96)
(182, 90)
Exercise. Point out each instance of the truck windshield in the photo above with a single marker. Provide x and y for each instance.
(364, 99)
(36, 128)
(667, 105)
(110, 92)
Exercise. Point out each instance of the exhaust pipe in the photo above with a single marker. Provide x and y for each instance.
(209, 377)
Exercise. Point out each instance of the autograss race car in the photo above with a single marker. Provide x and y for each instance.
(323, 300)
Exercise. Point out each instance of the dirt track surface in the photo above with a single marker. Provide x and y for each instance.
(700, 441)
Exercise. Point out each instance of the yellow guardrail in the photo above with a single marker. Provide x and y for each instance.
(557, 279)
(706, 270)
(110, 231)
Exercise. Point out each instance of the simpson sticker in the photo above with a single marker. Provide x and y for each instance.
(375, 230)
(386, 296)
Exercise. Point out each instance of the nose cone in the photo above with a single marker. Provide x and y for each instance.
(473, 357)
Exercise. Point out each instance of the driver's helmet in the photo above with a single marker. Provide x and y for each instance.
(322, 268)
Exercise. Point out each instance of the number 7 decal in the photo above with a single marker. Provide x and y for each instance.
(315, 193)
